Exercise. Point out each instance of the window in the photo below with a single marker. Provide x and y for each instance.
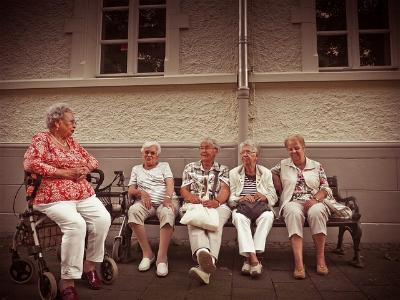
(354, 34)
(133, 37)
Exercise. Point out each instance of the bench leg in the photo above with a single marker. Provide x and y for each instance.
(339, 247)
(356, 233)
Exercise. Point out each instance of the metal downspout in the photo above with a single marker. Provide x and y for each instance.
(243, 92)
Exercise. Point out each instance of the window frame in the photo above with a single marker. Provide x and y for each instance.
(132, 40)
(352, 35)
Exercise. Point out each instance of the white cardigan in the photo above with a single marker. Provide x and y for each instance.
(264, 185)
(288, 176)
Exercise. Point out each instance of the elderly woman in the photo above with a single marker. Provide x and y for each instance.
(153, 184)
(251, 182)
(68, 199)
(304, 186)
(206, 182)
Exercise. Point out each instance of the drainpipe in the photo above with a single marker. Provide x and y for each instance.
(243, 92)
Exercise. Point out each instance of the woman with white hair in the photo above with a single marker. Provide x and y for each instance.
(251, 186)
(68, 199)
(152, 183)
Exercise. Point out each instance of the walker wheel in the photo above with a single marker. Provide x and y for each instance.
(108, 270)
(47, 286)
(21, 270)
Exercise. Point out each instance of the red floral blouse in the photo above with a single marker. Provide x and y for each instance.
(43, 157)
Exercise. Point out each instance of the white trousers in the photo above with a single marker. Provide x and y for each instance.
(75, 218)
(294, 216)
(202, 238)
(248, 243)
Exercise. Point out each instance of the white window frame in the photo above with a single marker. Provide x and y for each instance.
(132, 40)
(305, 15)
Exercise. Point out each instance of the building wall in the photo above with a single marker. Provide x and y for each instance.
(329, 112)
(33, 42)
(126, 115)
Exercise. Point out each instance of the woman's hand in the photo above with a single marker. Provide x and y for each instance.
(260, 197)
(213, 203)
(248, 198)
(145, 197)
(193, 199)
(168, 203)
(310, 202)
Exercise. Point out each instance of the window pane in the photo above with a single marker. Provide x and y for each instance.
(151, 2)
(331, 15)
(151, 23)
(114, 3)
(115, 25)
(375, 49)
(332, 51)
(113, 58)
(151, 57)
(373, 14)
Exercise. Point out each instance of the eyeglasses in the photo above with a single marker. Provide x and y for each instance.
(206, 148)
(152, 153)
(247, 152)
(73, 122)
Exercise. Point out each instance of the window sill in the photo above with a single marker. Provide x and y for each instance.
(186, 79)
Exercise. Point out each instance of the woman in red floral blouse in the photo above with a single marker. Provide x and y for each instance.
(67, 198)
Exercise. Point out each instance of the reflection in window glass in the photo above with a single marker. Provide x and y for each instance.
(115, 25)
(332, 51)
(151, 2)
(152, 23)
(115, 3)
(373, 14)
(113, 58)
(331, 15)
(151, 57)
(375, 49)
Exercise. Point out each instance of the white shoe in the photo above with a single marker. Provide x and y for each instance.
(199, 275)
(146, 263)
(255, 271)
(246, 268)
(205, 260)
(162, 269)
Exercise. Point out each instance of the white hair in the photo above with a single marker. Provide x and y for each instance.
(252, 144)
(151, 144)
(212, 142)
(56, 112)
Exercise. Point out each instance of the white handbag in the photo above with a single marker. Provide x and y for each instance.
(200, 216)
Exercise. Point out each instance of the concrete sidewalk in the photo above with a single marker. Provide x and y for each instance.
(379, 279)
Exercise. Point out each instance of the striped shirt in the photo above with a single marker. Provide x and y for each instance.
(249, 187)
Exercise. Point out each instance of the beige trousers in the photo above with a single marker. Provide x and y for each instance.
(295, 215)
(201, 238)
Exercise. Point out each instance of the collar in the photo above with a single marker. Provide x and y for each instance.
(214, 167)
(310, 164)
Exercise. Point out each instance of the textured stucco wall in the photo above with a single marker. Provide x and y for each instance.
(209, 45)
(33, 43)
(338, 112)
(127, 115)
(275, 42)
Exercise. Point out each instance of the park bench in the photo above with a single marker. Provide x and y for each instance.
(352, 225)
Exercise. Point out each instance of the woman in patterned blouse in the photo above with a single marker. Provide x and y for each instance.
(304, 186)
(68, 199)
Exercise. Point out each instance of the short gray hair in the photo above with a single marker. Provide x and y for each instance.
(151, 144)
(252, 144)
(297, 137)
(212, 142)
(56, 112)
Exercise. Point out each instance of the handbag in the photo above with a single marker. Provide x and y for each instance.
(337, 209)
(200, 216)
(252, 210)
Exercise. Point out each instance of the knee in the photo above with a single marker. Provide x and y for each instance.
(103, 221)
(315, 212)
(76, 228)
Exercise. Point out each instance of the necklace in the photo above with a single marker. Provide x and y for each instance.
(62, 144)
